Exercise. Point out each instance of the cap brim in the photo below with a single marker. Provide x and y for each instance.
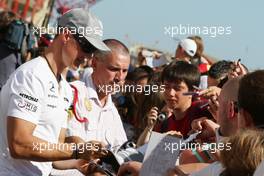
(98, 44)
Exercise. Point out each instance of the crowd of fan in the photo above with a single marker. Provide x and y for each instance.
(222, 99)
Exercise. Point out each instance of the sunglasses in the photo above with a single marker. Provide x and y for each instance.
(85, 45)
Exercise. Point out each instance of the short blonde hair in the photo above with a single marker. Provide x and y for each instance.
(246, 153)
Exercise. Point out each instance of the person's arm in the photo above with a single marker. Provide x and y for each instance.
(69, 164)
(206, 126)
(72, 163)
(81, 165)
(145, 135)
(62, 136)
(74, 139)
(23, 145)
(186, 169)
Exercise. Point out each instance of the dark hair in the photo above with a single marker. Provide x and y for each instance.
(181, 71)
(6, 17)
(141, 72)
(251, 95)
(220, 69)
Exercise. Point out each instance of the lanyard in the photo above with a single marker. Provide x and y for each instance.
(74, 109)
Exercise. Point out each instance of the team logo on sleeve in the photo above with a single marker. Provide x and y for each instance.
(87, 104)
(27, 106)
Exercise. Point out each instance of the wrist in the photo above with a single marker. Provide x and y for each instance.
(75, 153)
(149, 129)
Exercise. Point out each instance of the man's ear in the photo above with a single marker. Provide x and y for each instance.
(66, 35)
(247, 118)
(231, 110)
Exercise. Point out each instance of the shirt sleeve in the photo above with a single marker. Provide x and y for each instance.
(26, 91)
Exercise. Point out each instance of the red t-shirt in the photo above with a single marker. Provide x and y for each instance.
(184, 125)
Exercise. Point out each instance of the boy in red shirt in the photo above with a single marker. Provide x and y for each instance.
(178, 78)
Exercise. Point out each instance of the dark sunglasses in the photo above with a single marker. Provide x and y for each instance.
(85, 45)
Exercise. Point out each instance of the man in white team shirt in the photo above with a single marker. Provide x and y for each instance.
(34, 102)
(94, 115)
(95, 104)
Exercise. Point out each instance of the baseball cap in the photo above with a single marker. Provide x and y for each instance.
(84, 24)
(189, 46)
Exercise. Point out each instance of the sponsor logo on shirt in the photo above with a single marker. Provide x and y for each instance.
(52, 96)
(52, 87)
(51, 106)
(66, 99)
(28, 97)
(27, 106)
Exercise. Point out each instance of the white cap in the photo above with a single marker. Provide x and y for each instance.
(85, 24)
(189, 46)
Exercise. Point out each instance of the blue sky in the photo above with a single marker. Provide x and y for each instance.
(144, 22)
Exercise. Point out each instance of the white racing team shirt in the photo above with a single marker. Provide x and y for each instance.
(33, 94)
(104, 123)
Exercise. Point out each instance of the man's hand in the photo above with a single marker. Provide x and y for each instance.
(213, 108)
(131, 167)
(174, 133)
(211, 92)
(152, 118)
(167, 110)
(88, 168)
(239, 70)
(91, 150)
(206, 126)
(82, 166)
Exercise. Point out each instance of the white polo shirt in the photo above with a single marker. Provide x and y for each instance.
(104, 123)
(32, 93)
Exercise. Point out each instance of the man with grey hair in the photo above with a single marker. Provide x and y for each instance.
(95, 109)
(95, 116)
